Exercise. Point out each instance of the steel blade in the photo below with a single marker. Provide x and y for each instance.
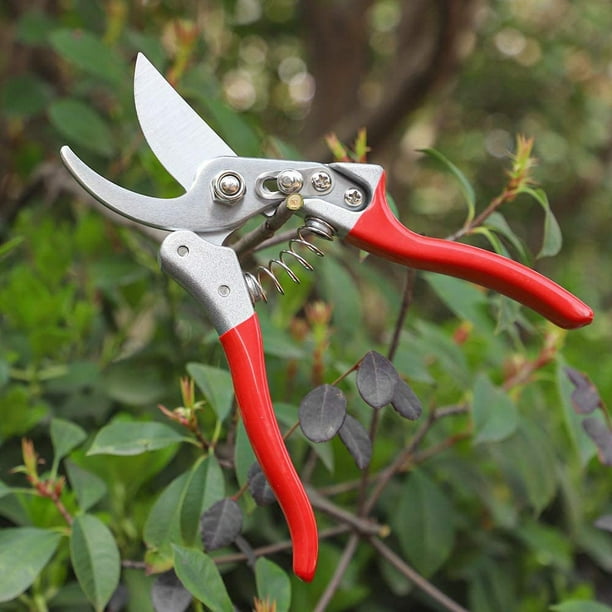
(177, 135)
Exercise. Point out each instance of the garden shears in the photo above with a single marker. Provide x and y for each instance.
(343, 200)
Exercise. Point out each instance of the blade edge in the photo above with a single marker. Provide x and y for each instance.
(178, 136)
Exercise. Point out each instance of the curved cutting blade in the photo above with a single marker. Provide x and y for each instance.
(177, 135)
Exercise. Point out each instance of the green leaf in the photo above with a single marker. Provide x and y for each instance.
(90, 54)
(24, 95)
(24, 552)
(243, 454)
(216, 384)
(465, 185)
(424, 522)
(495, 415)
(464, 299)
(340, 289)
(580, 605)
(133, 438)
(10, 245)
(493, 239)
(5, 373)
(232, 126)
(528, 461)
(498, 223)
(33, 27)
(435, 344)
(82, 125)
(95, 559)
(201, 578)
(549, 545)
(491, 587)
(128, 381)
(203, 487)
(552, 239)
(273, 584)
(88, 488)
(162, 527)
(65, 436)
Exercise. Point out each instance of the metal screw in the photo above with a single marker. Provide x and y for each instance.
(353, 197)
(182, 251)
(321, 181)
(224, 290)
(289, 181)
(228, 187)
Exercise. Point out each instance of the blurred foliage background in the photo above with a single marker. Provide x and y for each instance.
(89, 328)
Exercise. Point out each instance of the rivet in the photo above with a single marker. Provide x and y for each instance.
(289, 181)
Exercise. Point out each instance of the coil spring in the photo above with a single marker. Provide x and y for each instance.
(312, 225)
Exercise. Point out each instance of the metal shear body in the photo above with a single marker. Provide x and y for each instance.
(223, 191)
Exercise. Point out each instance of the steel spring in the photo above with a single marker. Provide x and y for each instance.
(313, 226)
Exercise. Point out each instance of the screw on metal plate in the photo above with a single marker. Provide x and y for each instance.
(353, 197)
(228, 187)
(289, 181)
(321, 181)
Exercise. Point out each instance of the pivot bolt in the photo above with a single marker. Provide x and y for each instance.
(353, 197)
(228, 187)
(321, 181)
(289, 181)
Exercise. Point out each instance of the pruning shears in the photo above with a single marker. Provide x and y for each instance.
(343, 200)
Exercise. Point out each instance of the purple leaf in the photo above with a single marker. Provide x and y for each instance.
(259, 487)
(585, 397)
(357, 441)
(169, 594)
(221, 524)
(376, 379)
(405, 402)
(604, 522)
(322, 413)
(602, 436)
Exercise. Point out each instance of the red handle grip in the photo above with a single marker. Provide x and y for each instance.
(244, 350)
(378, 231)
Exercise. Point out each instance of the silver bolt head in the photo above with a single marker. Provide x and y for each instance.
(321, 181)
(353, 197)
(228, 187)
(289, 181)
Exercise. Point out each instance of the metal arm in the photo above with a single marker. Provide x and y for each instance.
(213, 276)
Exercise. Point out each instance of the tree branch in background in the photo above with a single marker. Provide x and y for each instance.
(431, 42)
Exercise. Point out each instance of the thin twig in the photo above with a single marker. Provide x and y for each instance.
(483, 216)
(397, 466)
(407, 296)
(247, 243)
(361, 525)
(414, 577)
(270, 549)
(334, 583)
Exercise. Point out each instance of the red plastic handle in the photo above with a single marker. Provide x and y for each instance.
(244, 350)
(378, 231)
